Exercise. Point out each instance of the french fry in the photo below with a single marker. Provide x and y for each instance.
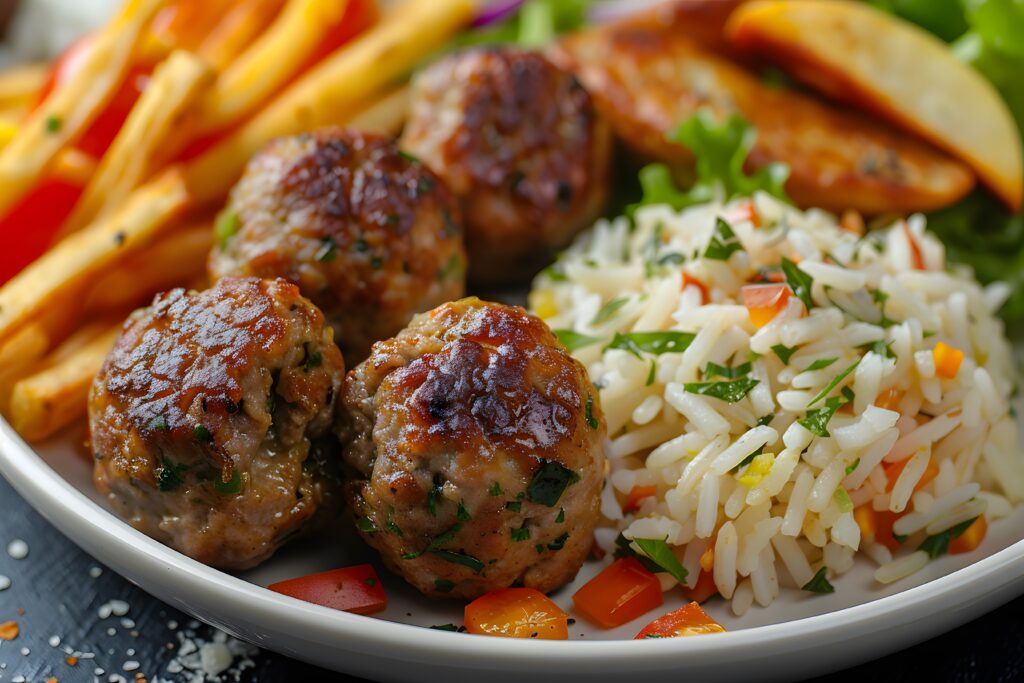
(18, 356)
(19, 84)
(270, 62)
(334, 91)
(49, 400)
(174, 261)
(73, 106)
(236, 31)
(174, 86)
(48, 289)
(386, 115)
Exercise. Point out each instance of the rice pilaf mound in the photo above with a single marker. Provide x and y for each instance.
(783, 392)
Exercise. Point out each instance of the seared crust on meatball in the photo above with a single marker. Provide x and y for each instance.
(520, 142)
(211, 418)
(476, 442)
(370, 235)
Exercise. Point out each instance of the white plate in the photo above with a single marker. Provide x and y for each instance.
(799, 635)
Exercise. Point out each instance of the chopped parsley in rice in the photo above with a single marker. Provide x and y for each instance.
(793, 391)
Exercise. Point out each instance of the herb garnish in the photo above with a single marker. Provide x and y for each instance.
(656, 343)
(820, 364)
(799, 281)
(201, 433)
(574, 340)
(549, 483)
(938, 544)
(520, 534)
(724, 242)
(229, 488)
(225, 227)
(559, 542)
(609, 310)
(460, 558)
(834, 383)
(589, 411)
(366, 525)
(784, 352)
(443, 585)
(657, 551)
(820, 583)
(730, 392)
(158, 424)
(170, 476)
(716, 370)
(495, 490)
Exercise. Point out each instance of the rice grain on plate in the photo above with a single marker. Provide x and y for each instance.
(772, 447)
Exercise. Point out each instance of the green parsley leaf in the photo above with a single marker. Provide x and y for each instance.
(445, 627)
(724, 242)
(521, 534)
(513, 506)
(834, 383)
(495, 490)
(53, 124)
(656, 343)
(765, 420)
(730, 392)
(784, 352)
(574, 340)
(820, 364)
(433, 496)
(559, 542)
(799, 281)
(170, 476)
(938, 544)
(651, 373)
(463, 514)
(201, 433)
(444, 586)
(561, 516)
(549, 483)
(589, 410)
(460, 558)
(820, 583)
(608, 310)
(327, 251)
(852, 466)
(657, 551)
(842, 499)
(229, 488)
(225, 227)
(716, 370)
(366, 525)
(816, 421)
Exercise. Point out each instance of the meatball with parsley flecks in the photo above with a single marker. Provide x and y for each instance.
(211, 419)
(369, 234)
(520, 143)
(476, 446)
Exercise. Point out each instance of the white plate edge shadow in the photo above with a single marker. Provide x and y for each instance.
(387, 650)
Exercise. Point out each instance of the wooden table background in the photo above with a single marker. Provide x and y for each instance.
(58, 590)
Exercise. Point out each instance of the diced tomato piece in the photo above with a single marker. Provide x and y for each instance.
(637, 496)
(969, 539)
(688, 620)
(28, 229)
(517, 613)
(746, 211)
(916, 255)
(947, 360)
(889, 399)
(622, 592)
(877, 524)
(764, 302)
(704, 589)
(893, 471)
(688, 280)
(351, 589)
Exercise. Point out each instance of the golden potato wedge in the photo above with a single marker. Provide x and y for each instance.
(647, 76)
(873, 60)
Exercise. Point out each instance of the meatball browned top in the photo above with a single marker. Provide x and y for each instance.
(370, 235)
(477, 445)
(519, 141)
(207, 416)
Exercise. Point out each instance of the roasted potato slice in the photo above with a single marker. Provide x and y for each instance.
(872, 60)
(647, 75)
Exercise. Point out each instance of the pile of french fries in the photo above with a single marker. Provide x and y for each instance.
(238, 73)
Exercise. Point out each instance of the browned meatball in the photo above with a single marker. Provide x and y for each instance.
(211, 418)
(370, 235)
(519, 141)
(477, 446)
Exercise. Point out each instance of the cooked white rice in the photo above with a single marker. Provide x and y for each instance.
(874, 323)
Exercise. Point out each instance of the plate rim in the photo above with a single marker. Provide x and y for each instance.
(102, 534)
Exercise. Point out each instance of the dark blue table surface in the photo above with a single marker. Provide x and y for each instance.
(59, 593)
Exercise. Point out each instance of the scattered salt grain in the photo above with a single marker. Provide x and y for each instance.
(130, 652)
(95, 572)
(98, 671)
(127, 623)
(119, 607)
(111, 631)
(130, 665)
(25, 652)
(17, 549)
(5, 583)
(18, 679)
(54, 641)
(215, 658)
